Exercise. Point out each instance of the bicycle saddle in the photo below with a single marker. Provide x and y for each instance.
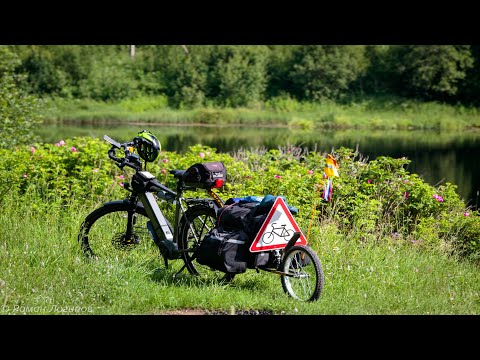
(177, 173)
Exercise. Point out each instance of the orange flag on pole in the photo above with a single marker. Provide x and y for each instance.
(330, 170)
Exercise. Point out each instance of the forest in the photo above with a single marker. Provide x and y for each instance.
(248, 75)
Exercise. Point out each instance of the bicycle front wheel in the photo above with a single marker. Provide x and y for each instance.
(104, 233)
(304, 280)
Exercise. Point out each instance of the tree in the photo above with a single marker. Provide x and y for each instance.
(19, 112)
(110, 78)
(433, 71)
(326, 71)
(377, 78)
(43, 77)
(469, 89)
(238, 75)
(280, 63)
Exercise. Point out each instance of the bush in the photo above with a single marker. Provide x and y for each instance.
(144, 103)
(374, 201)
(304, 124)
(283, 103)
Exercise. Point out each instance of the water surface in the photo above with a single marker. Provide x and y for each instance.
(438, 157)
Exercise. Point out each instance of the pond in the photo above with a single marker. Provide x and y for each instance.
(439, 157)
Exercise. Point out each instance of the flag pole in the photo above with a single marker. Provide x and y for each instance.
(314, 208)
(330, 170)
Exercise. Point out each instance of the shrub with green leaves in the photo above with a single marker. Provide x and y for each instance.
(373, 201)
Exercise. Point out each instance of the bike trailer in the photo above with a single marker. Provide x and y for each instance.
(226, 246)
(227, 250)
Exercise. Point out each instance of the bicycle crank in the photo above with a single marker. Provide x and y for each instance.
(120, 242)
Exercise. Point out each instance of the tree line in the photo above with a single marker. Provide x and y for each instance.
(248, 75)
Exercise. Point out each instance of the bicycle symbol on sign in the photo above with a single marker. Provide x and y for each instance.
(284, 233)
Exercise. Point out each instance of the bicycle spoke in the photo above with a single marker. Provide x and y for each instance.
(306, 280)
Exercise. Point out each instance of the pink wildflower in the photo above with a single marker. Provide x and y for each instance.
(25, 176)
(278, 177)
(95, 170)
(121, 177)
(466, 214)
(369, 181)
(74, 149)
(164, 171)
(60, 143)
(32, 149)
(438, 197)
(202, 155)
(122, 184)
(165, 161)
(310, 172)
(406, 194)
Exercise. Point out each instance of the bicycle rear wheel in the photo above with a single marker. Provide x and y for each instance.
(194, 225)
(305, 277)
(103, 233)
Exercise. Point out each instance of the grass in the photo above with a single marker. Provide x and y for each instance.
(367, 113)
(43, 272)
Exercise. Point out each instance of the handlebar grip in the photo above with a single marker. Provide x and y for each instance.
(111, 141)
(111, 155)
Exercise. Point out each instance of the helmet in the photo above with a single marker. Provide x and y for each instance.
(148, 146)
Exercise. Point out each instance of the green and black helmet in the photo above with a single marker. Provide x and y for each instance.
(147, 145)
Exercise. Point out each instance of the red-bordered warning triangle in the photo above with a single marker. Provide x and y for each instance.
(277, 229)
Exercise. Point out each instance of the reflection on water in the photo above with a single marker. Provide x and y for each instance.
(438, 157)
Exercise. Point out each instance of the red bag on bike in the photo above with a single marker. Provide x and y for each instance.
(206, 175)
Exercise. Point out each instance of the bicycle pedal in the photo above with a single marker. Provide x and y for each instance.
(132, 241)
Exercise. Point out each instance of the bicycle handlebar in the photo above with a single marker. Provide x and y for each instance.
(121, 162)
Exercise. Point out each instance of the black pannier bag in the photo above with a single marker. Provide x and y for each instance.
(224, 250)
(206, 175)
(258, 259)
(245, 217)
(236, 215)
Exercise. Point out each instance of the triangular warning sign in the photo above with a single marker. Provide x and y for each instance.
(277, 229)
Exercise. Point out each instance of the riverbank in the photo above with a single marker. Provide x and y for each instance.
(367, 113)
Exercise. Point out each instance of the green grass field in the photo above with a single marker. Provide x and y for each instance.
(42, 271)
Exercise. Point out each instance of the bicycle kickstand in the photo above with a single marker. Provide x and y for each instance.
(179, 271)
(165, 259)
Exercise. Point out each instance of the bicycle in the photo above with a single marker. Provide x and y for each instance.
(286, 234)
(133, 222)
